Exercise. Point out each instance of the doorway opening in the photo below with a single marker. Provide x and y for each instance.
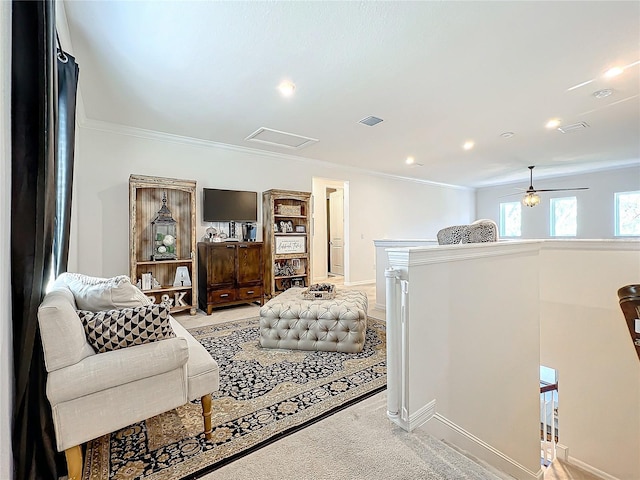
(335, 231)
(330, 254)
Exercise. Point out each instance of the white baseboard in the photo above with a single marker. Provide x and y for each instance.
(588, 468)
(481, 449)
(361, 282)
(562, 452)
(422, 416)
(466, 441)
(377, 306)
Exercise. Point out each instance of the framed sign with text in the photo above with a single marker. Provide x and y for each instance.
(291, 244)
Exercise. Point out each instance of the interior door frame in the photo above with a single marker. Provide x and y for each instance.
(330, 236)
(319, 252)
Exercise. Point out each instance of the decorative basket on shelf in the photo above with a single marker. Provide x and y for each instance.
(282, 209)
(320, 291)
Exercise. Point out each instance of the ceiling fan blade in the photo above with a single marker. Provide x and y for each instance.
(561, 189)
(512, 194)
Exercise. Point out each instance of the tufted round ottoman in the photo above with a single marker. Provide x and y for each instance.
(336, 325)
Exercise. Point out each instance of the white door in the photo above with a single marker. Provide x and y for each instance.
(336, 232)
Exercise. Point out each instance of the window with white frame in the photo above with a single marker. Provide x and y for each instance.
(510, 219)
(627, 214)
(564, 217)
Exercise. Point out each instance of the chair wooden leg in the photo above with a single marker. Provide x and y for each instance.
(74, 462)
(206, 413)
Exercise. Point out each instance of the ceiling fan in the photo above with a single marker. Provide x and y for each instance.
(531, 197)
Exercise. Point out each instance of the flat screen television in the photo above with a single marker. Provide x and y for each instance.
(229, 205)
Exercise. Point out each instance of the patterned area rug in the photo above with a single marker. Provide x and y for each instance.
(264, 395)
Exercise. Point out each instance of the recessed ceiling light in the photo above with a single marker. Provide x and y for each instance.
(553, 123)
(287, 88)
(468, 145)
(507, 134)
(613, 72)
(411, 161)
(603, 93)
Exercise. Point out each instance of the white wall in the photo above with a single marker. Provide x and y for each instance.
(6, 355)
(471, 312)
(595, 206)
(380, 207)
(586, 339)
(471, 349)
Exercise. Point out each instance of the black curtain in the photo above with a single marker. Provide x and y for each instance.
(33, 211)
(65, 137)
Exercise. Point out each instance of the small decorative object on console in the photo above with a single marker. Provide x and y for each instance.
(182, 277)
(210, 234)
(146, 281)
(320, 291)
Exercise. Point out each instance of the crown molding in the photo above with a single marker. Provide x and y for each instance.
(119, 129)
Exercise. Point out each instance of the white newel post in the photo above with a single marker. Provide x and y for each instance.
(394, 345)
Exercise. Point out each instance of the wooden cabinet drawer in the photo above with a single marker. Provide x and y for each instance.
(250, 292)
(221, 296)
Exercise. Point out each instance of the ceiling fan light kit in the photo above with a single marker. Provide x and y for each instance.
(531, 199)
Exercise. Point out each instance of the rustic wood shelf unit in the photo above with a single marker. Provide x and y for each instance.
(287, 253)
(145, 199)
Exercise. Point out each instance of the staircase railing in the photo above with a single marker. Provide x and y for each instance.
(548, 423)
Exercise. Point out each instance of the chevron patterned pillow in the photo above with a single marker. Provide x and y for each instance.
(114, 329)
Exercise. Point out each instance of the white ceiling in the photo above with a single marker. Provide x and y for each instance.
(438, 73)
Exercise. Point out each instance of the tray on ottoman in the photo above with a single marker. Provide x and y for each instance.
(336, 325)
(320, 291)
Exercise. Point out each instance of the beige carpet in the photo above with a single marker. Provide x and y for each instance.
(353, 444)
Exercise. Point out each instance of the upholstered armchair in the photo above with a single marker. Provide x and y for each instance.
(91, 393)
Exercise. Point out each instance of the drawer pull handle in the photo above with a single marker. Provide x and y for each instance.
(224, 295)
(231, 246)
(249, 292)
(242, 246)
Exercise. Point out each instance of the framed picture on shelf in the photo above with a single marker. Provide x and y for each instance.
(301, 229)
(286, 226)
(293, 244)
(298, 266)
(297, 282)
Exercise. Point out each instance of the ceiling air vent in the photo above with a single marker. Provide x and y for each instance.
(370, 120)
(573, 127)
(280, 139)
